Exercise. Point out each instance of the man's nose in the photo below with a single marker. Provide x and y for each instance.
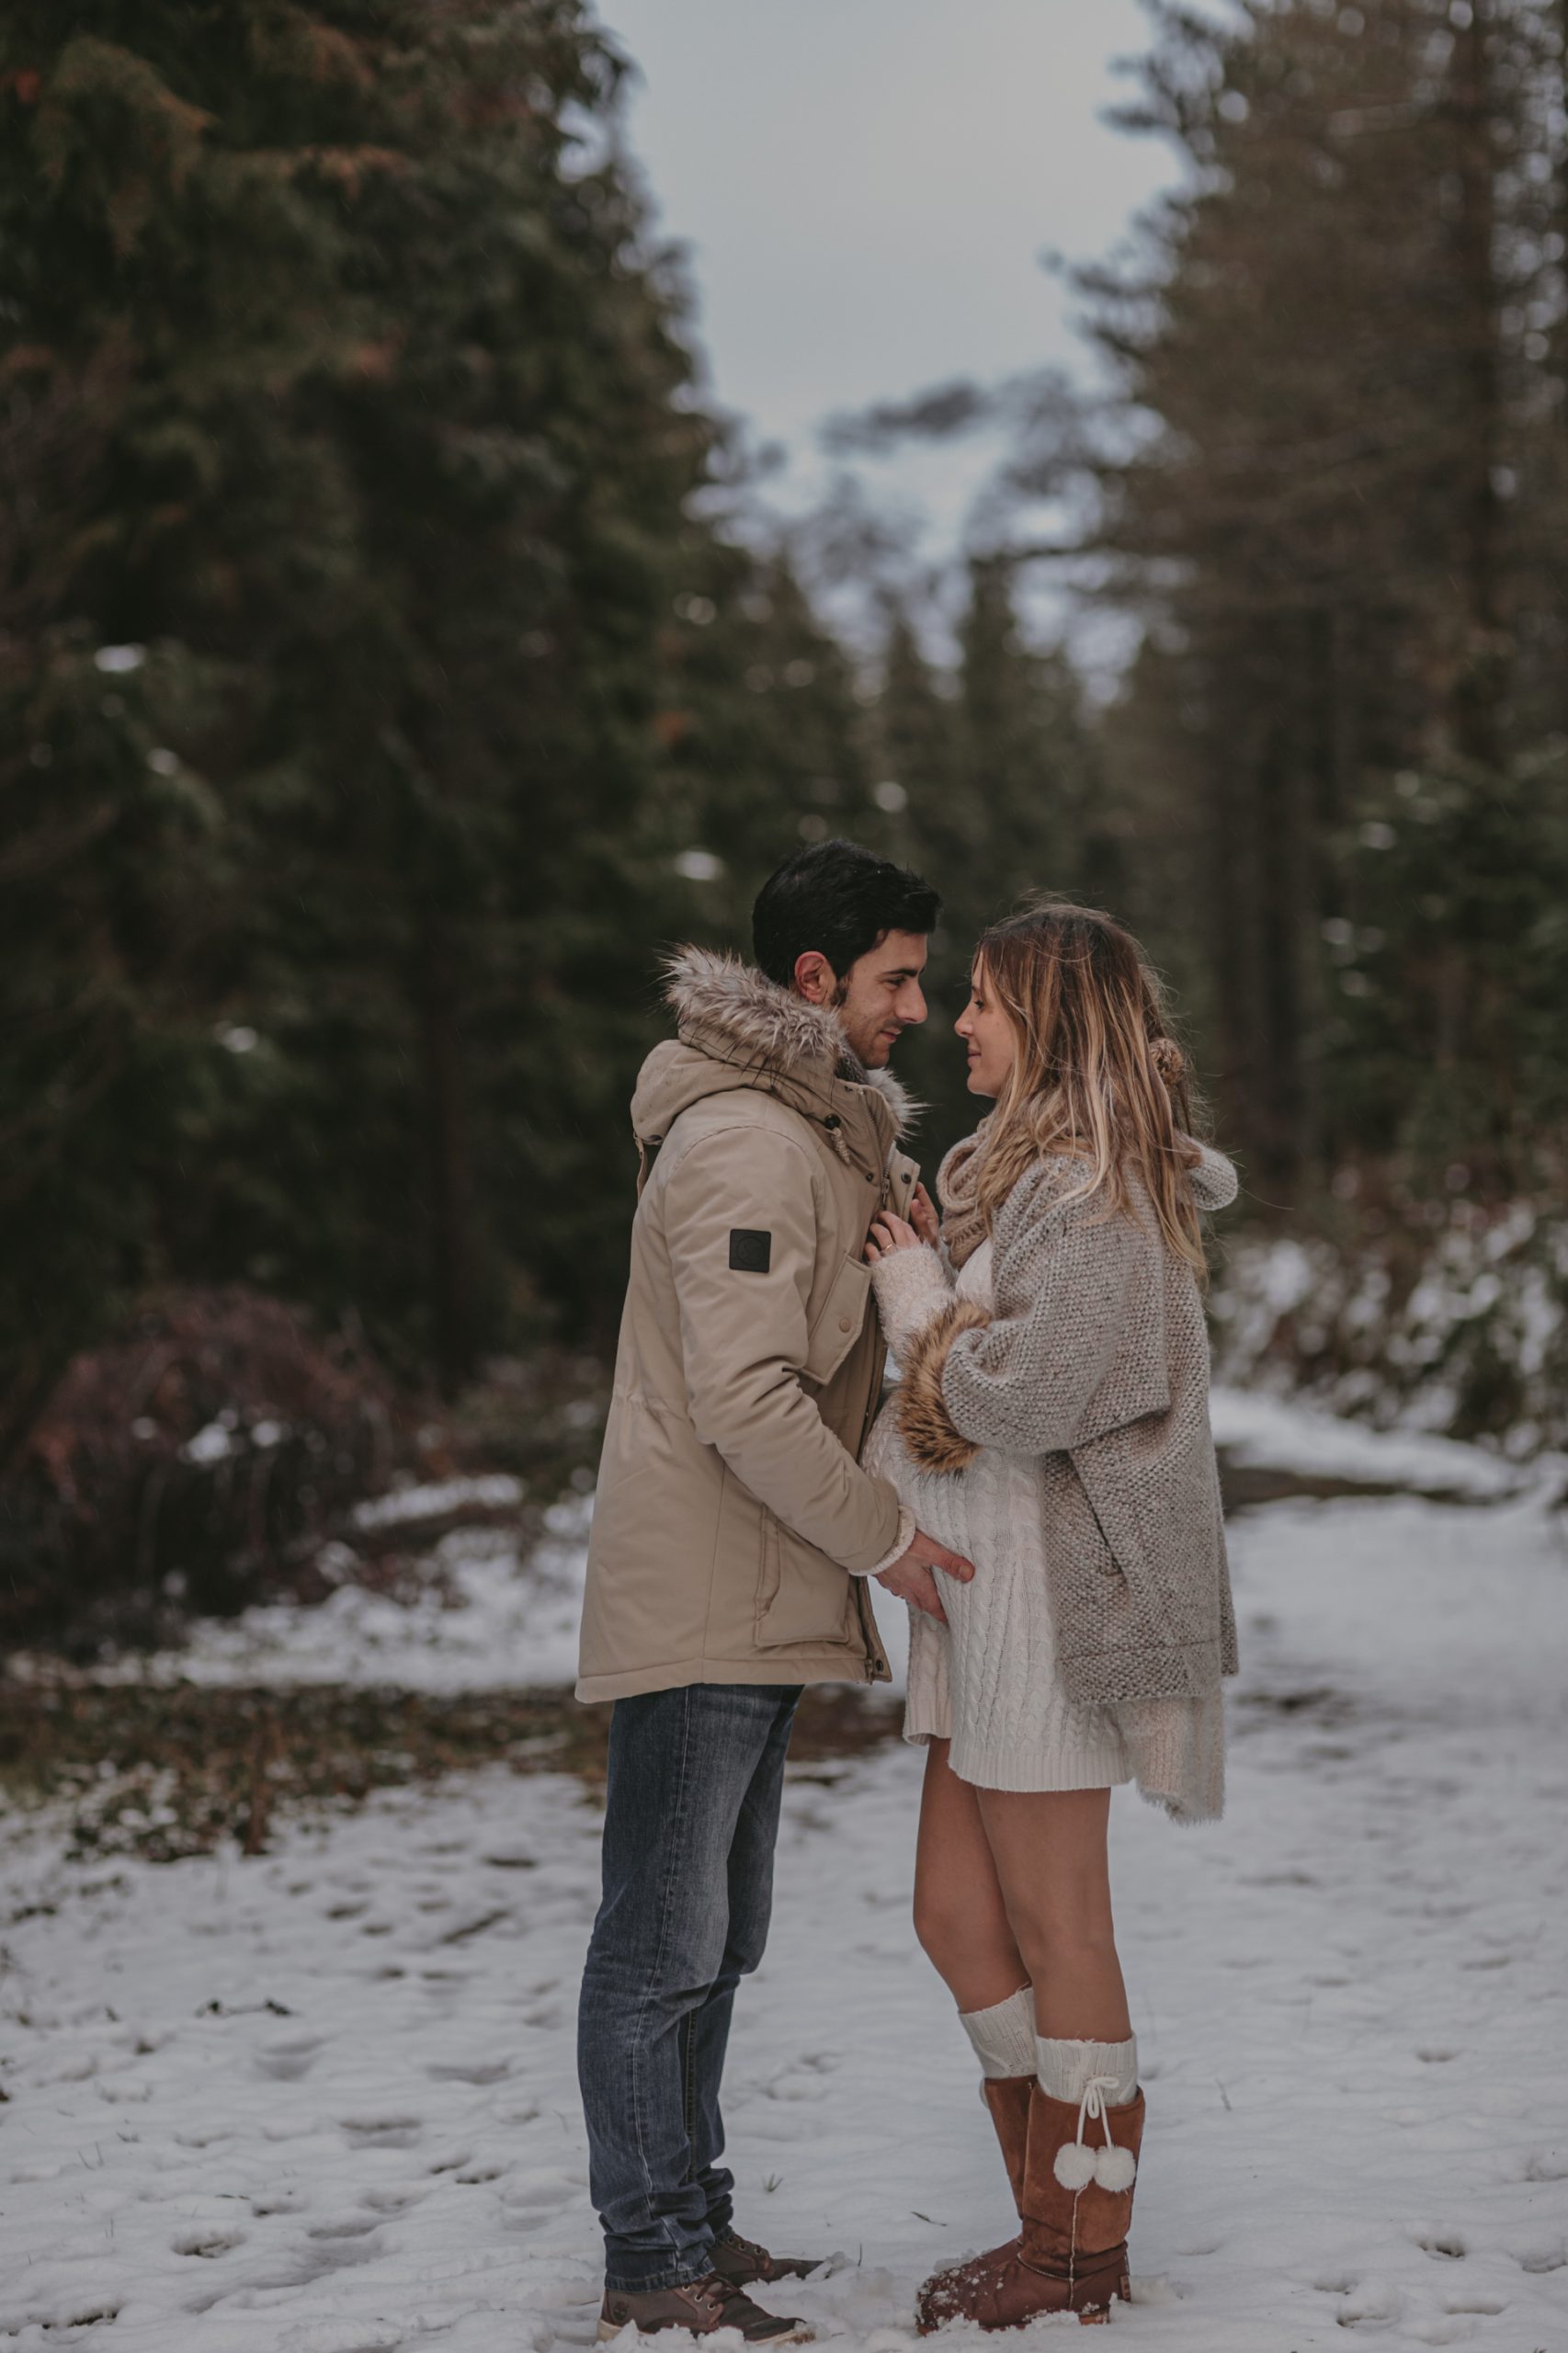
(911, 1007)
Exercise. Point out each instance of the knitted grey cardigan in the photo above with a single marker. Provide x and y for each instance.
(1095, 1357)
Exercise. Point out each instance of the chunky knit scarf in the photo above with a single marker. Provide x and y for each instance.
(958, 1178)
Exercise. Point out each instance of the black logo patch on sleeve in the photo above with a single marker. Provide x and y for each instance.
(750, 1252)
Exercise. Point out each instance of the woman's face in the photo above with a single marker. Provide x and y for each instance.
(987, 1034)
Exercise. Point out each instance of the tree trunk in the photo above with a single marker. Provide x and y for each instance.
(1476, 702)
(450, 1208)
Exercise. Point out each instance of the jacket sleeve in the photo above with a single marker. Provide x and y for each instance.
(1073, 1347)
(744, 1339)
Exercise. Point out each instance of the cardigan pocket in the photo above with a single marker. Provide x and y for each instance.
(1103, 1560)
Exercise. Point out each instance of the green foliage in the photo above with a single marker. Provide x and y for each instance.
(1338, 500)
(1452, 963)
(769, 743)
(388, 462)
(1002, 799)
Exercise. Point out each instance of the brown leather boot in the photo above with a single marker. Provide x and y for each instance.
(701, 2306)
(744, 2263)
(1071, 2255)
(1008, 2097)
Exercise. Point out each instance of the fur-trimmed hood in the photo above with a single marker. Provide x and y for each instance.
(738, 1028)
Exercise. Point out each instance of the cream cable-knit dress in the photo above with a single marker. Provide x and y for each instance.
(988, 1681)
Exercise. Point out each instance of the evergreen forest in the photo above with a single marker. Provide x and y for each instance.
(395, 658)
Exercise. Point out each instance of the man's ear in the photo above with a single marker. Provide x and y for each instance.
(815, 979)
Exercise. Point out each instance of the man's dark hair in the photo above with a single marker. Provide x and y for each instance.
(838, 898)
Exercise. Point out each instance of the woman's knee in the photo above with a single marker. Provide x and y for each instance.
(938, 1924)
(1051, 1937)
(971, 1950)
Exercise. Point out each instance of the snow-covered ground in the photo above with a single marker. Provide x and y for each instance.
(322, 2101)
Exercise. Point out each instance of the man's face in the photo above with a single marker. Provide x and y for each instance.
(878, 998)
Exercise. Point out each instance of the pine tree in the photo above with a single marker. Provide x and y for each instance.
(999, 772)
(1334, 332)
(392, 461)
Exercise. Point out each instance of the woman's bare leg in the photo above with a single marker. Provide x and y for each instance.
(960, 1917)
(1048, 1849)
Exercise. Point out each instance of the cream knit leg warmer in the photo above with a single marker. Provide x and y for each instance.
(1004, 2036)
(1064, 2068)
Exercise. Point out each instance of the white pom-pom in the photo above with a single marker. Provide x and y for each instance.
(1073, 2166)
(1115, 2168)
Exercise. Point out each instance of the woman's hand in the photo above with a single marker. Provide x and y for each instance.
(890, 1233)
(923, 1217)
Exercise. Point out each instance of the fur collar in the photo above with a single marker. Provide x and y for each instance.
(769, 1026)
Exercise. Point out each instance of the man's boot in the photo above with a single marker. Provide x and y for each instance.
(702, 2306)
(742, 2263)
(1077, 2208)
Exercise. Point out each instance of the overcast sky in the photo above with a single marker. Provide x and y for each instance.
(865, 188)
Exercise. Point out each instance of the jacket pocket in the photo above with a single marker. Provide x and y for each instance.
(802, 1596)
(838, 1321)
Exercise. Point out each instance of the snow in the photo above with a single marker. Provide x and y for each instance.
(1481, 1335)
(323, 2100)
(495, 1491)
(1257, 1427)
(486, 1620)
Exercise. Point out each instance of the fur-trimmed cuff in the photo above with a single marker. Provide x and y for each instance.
(924, 1420)
(912, 1285)
(901, 1544)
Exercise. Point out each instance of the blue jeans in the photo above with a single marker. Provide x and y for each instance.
(691, 1819)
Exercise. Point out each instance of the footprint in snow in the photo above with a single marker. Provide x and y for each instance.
(1370, 2307)
(207, 2243)
(1442, 2242)
(382, 2132)
(392, 2201)
(286, 2062)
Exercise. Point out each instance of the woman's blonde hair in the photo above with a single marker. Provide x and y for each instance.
(1096, 1071)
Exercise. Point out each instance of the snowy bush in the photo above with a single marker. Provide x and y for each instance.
(186, 1465)
(1459, 1326)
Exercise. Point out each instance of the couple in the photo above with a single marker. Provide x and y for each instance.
(1041, 1492)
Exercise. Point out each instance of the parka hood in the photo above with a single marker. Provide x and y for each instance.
(737, 1028)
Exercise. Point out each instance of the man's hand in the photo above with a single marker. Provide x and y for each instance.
(911, 1576)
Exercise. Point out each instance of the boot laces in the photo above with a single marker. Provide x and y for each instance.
(1092, 2106)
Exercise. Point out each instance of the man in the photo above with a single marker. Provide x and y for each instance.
(733, 1530)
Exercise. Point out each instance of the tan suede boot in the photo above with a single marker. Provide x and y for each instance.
(1008, 2097)
(1071, 2255)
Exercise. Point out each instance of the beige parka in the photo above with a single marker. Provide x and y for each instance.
(731, 1512)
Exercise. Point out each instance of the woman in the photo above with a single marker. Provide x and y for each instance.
(1052, 1426)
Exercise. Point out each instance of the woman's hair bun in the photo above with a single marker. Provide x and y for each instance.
(1168, 1058)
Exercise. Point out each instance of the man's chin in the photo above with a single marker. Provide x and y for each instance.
(875, 1055)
